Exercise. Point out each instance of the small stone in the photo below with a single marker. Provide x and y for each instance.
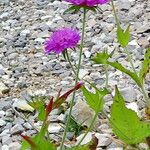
(3, 88)
(22, 105)
(2, 113)
(4, 1)
(87, 54)
(2, 122)
(103, 139)
(25, 33)
(143, 41)
(116, 148)
(39, 92)
(143, 146)
(14, 146)
(6, 139)
(27, 125)
(70, 135)
(83, 73)
(4, 147)
(133, 106)
(5, 132)
(129, 94)
(54, 128)
(83, 114)
(5, 15)
(16, 129)
(86, 140)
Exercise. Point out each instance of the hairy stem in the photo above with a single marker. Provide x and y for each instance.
(76, 80)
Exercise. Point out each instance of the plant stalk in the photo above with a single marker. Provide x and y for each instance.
(89, 129)
(147, 99)
(76, 80)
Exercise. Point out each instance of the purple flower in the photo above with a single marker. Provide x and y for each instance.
(61, 40)
(89, 3)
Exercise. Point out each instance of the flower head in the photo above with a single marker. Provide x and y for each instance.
(89, 3)
(61, 40)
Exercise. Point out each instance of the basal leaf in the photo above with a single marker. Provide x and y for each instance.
(118, 66)
(125, 122)
(94, 100)
(123, 36)
(145, 66)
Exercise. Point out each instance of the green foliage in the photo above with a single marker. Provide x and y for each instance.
(95, 100)
(84, 147)
(145, 66)
(118, 66)
(125, 122)
(39, 140)
(102, 58)
(38, 103)
(74, 126)
(123, 36)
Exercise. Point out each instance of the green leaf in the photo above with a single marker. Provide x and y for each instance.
(74, 126)
(40, 141)
(72, 9)
(123, 36)
(42, 113)
(145, 66)
(101, 58)
(125, 122)
(84, 147)
(38, 104)
(94, 100)
(25, 145)
(118, 66)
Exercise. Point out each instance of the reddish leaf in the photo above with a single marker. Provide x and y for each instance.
(29, 140)
(49, 106)
(62, 98)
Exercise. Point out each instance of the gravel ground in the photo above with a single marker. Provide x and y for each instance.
(26, 71)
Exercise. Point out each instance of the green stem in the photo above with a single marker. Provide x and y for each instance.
(142, 85)
(115, 14)
(106, 73)
(130, 60)
(76, 80)
(89, 129)
(68, 59)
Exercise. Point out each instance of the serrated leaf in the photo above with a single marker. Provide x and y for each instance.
(101, 58)
(94, 100)
(125, 122)
(145, 66)
(39, 105)
(118, 66)
(123, 36)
